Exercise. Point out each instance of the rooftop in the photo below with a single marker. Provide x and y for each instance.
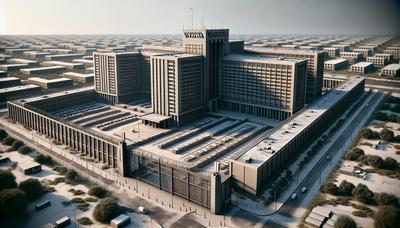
(392, 67)
(17, 88)
(336, 61)
(261, 59)
(273, 143)
(362, 64)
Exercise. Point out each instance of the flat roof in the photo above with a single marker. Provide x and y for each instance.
(284, 51)
(58, 94)
(286, 133)
(6, 79)
(176, 56)
(395, 66)
(42, 80)
(336, 61)
(80, 75)
(362, 64)
(154, 117)
(261, 59)
(17, 88)
(61, 63)
(116, 53)
(42, 68)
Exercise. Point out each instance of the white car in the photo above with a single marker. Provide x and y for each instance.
(293, 196)
(304, 189)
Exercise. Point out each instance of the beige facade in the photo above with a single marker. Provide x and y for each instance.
(353, 57)
(377, 61)
(177, 87)
(261, 86)
(117, 76)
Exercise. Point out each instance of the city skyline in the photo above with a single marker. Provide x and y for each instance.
(139, 17)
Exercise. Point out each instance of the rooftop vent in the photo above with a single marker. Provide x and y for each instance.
(248, 160)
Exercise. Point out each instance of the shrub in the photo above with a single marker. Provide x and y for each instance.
(98, 191)
(354, 154)
(386, 199)
(381, 116)
(77, 200)
(387, 217)
(384, 106)
(71, 175)
(16, 145)
(8, 140)
(24, 150)
(392, 118)
(44, 160)
(91, 199)
(32, 188)
(366, 133)
(3, 134)
(330, 188)
(7, 180)
(346, 188)
(60, 169)
(372, 160)
(390, 163)
(344, 221)
(12, 202)
(386, 134)
(84, 221)
(83, 206)
(362, 193)
(106, 210)
(395, 108)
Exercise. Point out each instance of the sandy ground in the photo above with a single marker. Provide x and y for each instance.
(57, 210)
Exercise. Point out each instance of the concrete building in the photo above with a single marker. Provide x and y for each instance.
(377, 61)
(18, 91)
(43, 70)
(341, 47)
(30, 63)
(388, 57)
(68, 65)
(332, 52)
(13, 67)
(336, 64)
(83, 78)
(252, 168)
(236, 46)
(394, 53)
(9, 82)
(3, 74)
(213, 44)
(117, 76)
(353, 57)
(315, 66)
(250, 84)
(366, 52)
(176, 90)
(391, 70)
(63, 57)
(50, 83)
(362, 67)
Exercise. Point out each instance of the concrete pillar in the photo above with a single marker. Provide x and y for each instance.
(216, 199)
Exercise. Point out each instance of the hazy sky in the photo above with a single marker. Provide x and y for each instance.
(169, 16)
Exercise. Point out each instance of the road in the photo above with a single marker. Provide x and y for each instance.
(315, 174)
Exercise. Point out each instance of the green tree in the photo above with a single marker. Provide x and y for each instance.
(366, 133)
(97, 191)
(3, 134)
(7, 180)
(354, 154)
(386, 199)
(16, 145)
(12, 203)
(107, 209)
(387, 217)
(386, 134)
(390, 163)
(32, 188)
(346, 188)
(71, 175)
(24, 150)
(362, 193)
(330, 188)
(344, 221)
(8, 140)
(44, 160)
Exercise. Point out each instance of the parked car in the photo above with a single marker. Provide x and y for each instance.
(143, 210)
(293, 196)
(304, 189)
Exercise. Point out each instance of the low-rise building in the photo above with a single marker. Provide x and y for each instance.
(43, 70)
(353, 57)
(18, 91)
(30, 63)
(332, 52)
(66, 64)
(362, 67)
(336, 64)
(366, 52)
(50, 84)
(79, 77)
(391, 70)
(9, 82)
(13, 67)
(377, 61)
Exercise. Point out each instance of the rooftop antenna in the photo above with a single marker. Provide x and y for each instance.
(191, 9)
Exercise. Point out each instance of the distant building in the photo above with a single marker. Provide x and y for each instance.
(353, 57)
(332, 52)
(391, 70)
(377, 61)
(336, 64)
(362, 67)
